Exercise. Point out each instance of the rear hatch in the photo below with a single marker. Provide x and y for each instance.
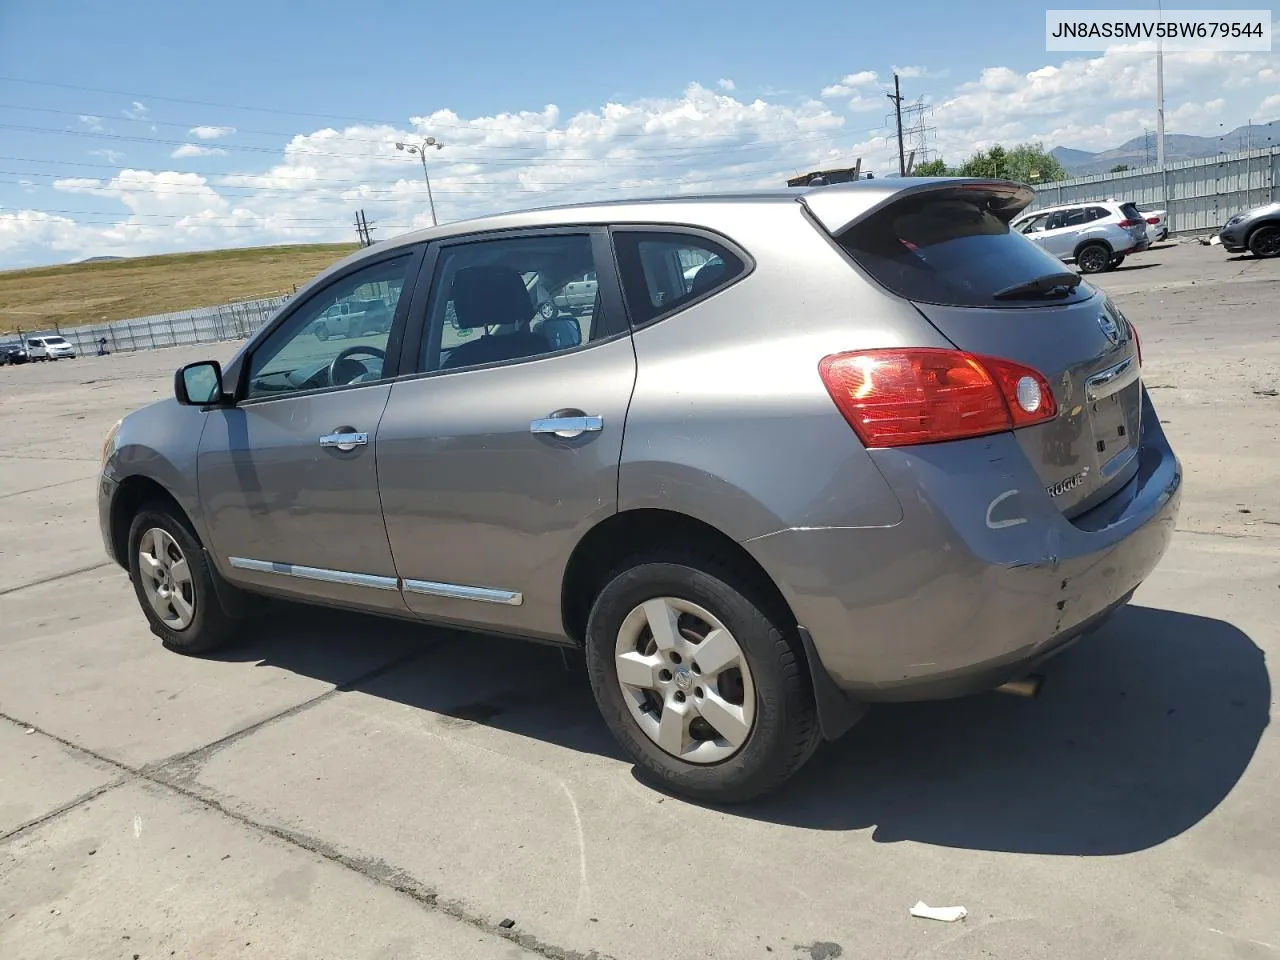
(946, 247)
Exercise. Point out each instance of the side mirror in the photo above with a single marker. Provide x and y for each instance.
(198, 384)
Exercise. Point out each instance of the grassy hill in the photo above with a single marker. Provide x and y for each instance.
(76, 293)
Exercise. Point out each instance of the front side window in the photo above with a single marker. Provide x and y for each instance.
(307, 353)
(1035, 224)
(512, 299)
(662, 272)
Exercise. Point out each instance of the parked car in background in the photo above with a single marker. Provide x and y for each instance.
(12, 353)
(1256, 231)
(49, 348)
(1157, 221)
(878, 448)
(357, 318)
(576, 296)
(1096, 236)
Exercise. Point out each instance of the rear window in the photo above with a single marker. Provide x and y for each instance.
(1131, 211)
(949, 248)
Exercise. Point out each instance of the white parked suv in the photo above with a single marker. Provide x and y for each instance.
(49, 348)
(1096, 235)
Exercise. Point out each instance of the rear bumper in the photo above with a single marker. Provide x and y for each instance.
(982, 578)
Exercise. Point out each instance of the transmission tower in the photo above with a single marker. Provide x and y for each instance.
(917, 131)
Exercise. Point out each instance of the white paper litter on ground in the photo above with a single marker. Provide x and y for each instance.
(945, 914)
(1214, 241)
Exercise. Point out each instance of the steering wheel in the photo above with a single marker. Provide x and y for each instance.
(346, 355)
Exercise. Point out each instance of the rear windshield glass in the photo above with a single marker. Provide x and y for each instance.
(1131, 211)
(949, 248)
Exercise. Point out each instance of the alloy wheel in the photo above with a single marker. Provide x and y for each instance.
(166, 578)
(685, 680)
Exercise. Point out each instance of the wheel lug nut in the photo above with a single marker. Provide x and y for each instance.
(697, 692)
(675, 657)
(664, 675)
(679, 697)
(695, 668)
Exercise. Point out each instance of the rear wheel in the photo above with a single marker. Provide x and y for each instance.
(698, 677)
(1265, 242)
(174, 584)
(1093, 258)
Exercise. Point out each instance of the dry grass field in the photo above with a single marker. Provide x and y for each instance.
(76, 293)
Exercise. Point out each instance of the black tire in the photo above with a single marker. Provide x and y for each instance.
(548, 309)
(1265, 242)
(785, 731)
(1093, 258)
(1117, 260)
(210, 627)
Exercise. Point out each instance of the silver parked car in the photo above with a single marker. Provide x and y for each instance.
(877, 447)
(1096, 236)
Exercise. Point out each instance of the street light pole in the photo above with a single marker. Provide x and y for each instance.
(421, 151)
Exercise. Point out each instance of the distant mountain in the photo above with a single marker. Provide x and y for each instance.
(1177, 146)
(99, 259)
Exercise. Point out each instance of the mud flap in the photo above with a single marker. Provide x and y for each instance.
(837, 711)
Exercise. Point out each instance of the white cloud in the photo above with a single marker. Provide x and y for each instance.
(111, 156)
(1269, 106)
(850, 83)
(919, 73)
(92, 123)
(211, 133)
(135, 111)
(726, 84)
(704, 137)
(196, 150)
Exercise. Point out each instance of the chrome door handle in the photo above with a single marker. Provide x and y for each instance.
(344, 441)
(567, 427)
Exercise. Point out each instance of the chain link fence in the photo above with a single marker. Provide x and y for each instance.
(230, 321)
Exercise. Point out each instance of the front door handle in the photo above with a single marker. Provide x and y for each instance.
(344, 441)
(567, 427)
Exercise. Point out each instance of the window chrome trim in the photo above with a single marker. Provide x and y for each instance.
(316, 573)
(457, 591)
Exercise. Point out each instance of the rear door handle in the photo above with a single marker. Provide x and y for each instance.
(567, 427)
(344, 441)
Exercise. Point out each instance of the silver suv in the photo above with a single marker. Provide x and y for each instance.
(835, 464)
(1096, 236)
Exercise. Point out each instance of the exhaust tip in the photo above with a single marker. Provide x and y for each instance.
(1027, 688)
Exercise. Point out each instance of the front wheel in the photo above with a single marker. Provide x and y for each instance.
(1117, 260)
(699, 678)
(1265, 242)
(174, 584)
(1093, 258)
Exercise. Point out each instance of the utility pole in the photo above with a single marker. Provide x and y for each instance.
(896, 97)
(363, 231)
(1160, 95)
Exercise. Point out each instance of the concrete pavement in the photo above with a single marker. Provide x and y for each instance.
(338, 786)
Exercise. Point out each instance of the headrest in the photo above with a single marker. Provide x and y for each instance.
(706, 278)
(489, 296)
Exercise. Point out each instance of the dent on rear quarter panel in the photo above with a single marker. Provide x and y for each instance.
(730, 422)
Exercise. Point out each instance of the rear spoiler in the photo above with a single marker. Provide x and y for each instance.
(840, 206)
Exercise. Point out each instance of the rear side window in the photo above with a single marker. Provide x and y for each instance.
(665, 272)
(950, 248)
(1098, 213)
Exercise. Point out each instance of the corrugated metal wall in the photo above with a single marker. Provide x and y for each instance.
(1200, 195)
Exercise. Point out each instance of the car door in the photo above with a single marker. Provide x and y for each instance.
(1033, 228)
(503, 450)
(1062, 232)
(287, 476)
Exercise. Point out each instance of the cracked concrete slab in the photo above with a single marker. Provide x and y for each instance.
(143, 872)
(39, 775)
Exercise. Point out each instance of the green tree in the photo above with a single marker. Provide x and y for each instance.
(931, 168)
(1120, 168)
(1026, 163)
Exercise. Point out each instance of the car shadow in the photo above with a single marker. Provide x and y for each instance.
(1139, 732)
(1127, 267)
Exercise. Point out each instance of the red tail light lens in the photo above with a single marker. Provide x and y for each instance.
(900, 397)
(1153, 219)
(1130, 223)
(1137, 341)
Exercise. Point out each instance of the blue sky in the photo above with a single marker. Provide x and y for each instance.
(124, 127)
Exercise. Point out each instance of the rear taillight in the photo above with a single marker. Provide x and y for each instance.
(899, 397)
(1137, 341)
(1153, 219)
(1130, 223)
